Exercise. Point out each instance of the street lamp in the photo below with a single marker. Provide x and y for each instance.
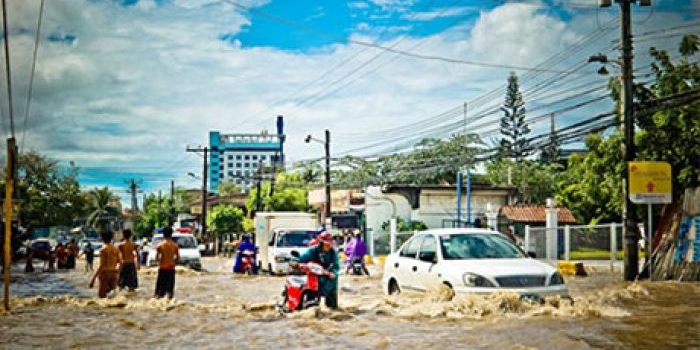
(326, 143)
(203, 230)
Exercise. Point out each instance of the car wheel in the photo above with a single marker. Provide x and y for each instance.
(446, 292)
(394, 287)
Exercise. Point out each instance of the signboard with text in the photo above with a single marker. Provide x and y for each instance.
(650, 182)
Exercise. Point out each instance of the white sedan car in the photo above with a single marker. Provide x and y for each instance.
(468, 261)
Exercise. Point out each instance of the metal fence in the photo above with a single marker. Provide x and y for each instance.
(380, 241)
(592, 242)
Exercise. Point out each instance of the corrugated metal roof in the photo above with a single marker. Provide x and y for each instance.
(535, 213)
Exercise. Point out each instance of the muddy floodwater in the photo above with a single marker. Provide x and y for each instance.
(218, 310)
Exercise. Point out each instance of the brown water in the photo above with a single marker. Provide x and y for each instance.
(217, 310)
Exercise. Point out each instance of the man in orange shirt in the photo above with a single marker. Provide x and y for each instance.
(108, 271)
(130, 264)
(167, 255)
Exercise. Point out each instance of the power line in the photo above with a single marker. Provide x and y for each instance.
(31, 75)
(380, 47)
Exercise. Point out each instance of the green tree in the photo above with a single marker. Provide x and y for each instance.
(155, 215)
(672, 134)
(432, 161)
(102, 209)
(227, 188)
(225, 219)
(534, 183)
(514, 128)
(290, 194)
(48, 193)
(403, 225)
(591, 187)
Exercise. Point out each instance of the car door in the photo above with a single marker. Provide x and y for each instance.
(406, 264)
(425, 274)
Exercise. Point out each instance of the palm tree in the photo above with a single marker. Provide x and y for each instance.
(102, 209)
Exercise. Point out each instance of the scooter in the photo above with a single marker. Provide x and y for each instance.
(357, 267)
(301, 293)
(248, 261)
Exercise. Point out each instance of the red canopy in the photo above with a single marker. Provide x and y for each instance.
(183, 229)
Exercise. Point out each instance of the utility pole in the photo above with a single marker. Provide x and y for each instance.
(171, 215)
(133, 189)
(204, 187)
(327, 147)
(629, 230)
(10, 174)
(258, 186)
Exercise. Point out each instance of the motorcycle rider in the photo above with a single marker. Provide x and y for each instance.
(246, 243)
(355, 250)
(324, 254)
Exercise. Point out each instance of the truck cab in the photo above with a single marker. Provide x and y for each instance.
(277, 234)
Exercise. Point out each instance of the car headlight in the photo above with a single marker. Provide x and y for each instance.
(474, 280)
(556, 279)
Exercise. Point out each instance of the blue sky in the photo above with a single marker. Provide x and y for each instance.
(122, 88)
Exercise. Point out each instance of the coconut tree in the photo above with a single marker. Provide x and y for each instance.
(102, 208)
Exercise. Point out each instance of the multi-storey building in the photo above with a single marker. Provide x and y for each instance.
(237, 157)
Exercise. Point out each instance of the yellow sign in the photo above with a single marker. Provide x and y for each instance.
(650, 182)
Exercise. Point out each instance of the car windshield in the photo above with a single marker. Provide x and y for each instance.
(182, 241)
(295, 238)
(478, 246)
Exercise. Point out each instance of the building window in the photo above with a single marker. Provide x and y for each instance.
(238, 165)
(238, 157)
(230, 157)
(255, 157)
(247, 165)
(247, 157)
(263, 157)
(230, 165)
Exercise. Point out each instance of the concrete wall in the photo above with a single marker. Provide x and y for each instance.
(435, 206)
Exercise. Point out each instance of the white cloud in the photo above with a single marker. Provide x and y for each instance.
(449, 12)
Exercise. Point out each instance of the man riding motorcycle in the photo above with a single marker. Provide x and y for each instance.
(246, 243)
(326, 256)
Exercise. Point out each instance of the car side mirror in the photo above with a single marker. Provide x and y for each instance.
(428, 257)
(295, 253)
(532, 254)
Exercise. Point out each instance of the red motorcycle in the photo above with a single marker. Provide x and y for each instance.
(302, 292)
(248, 261)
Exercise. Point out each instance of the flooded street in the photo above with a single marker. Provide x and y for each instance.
(217, 310)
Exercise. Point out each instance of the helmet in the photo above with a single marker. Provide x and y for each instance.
(325, 237)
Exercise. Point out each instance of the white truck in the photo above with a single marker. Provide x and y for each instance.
(277, 234)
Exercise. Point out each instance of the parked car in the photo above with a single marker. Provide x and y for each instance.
(468, 260)
(96, 245)
(189, 250)
(41, 248)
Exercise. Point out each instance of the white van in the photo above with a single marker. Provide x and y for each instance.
(280, 246)
(189, 250)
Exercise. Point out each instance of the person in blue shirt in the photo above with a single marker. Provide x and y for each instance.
(324, 254)
(245, 244)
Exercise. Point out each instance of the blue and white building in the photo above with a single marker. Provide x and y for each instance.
(237, 157)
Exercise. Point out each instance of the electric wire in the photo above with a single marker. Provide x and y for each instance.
(381, 47)
(27, 105)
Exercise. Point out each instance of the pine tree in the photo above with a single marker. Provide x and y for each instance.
(514, 129)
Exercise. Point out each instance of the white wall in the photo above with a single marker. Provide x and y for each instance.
(435, 205)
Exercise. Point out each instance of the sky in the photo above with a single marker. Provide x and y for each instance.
(122, 88)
